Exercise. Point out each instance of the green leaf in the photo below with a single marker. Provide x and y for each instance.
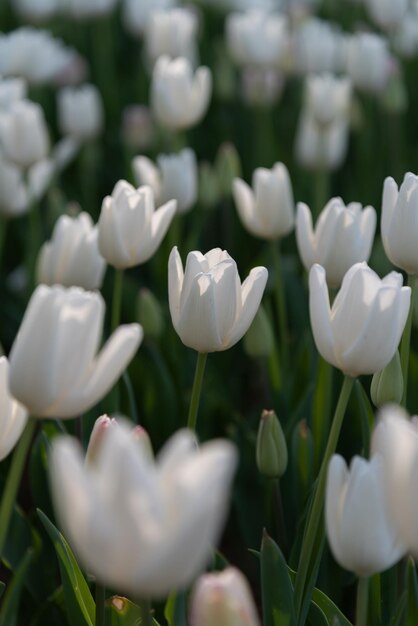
(276, 587)
(78, 599)
(175, 611)
(122, 612)
(332, 613)
(10, 605)
(2, 588)
(412, 601)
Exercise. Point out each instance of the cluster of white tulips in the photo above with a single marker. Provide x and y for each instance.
(175, 177)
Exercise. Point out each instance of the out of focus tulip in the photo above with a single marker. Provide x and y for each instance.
(368, 61)
(179, 97)
(55, 367)
(362, 330)
(387, 385)
(327, 98)
(171, 32)
(11, 91)
(13, 416)
(267, 209)
(343, 236)
(139, 526)
(209, 307)
(137, 13)
(317, 47)
(259, 339)
(80, 111)
(223, 598)
(320, 147)
(360, 533)
(150, 314)
(13, 192)
(72, 256)
(271, 451)
(388, 14)
(23, 134)
(130, 230)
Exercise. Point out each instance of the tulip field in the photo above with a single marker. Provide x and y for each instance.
(208, 321)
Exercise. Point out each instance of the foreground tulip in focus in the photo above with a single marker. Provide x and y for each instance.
(13, 416)
(361, 331)
(55, 367)
(139, 526)
(210, 309)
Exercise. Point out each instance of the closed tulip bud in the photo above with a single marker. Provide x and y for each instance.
(80, 112)
(259, 340)
(72, 256)
(368, 61)
(171, 32)
(271, 453)
(142, 526)
(23, 134)
(228, 167)
(149, 313)
(359, 339)
(223, 598)
(210, 309)
(267, 209)
(13, 416)
(174, 177)
(179, 98)
(130, 230)
(55, 367)
(387, 385)
(343, 236)
(399, 222)
(360, 532)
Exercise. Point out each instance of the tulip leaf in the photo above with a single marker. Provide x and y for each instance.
(175, 609)
(412, 600)
(277, 589)
(78, 599)
(2, 588)
(122, 612)
(10, 604)
(332, 613)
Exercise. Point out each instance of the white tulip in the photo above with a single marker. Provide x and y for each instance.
(387, 14)
(362, 330)
(267, 209)
(171, 32)
(80, 111)
(136, 13)
(85, 9)
(55, 369)
(343, 236)
(261, 86)
(319, 147)
(395, 439)
(368, 61)
(209, 307)
(399, 224)
(130, 230)
(179, 98)
(13, 416)
(142, 527)
(223, 598)
(327, 97)
(11, 91)
(13, 192)
(37, 9)
(23, 134)
(72, 256)
(360, 533)
(174, 177)
(317, 47)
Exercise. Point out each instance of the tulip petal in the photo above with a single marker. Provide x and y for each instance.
(175, 285)
(390, 196)
(305, 235)
(334, 502)
(320, 314)
(244, 202)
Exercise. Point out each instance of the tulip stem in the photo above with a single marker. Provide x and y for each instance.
(117, 298)
(146, 613)
(406, 340)
(309, 557)
(362, 601)
(280, 303)
(100, 605)
(13, 481)
(197, 388)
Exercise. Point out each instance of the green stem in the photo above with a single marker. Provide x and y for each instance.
(3, 230)
(406, 340)
(307, 557)
(321, 189)
(362, 602)
(281, 523)
(197, 388)
(280, 296)
(117, 298)
(100, 605)
(33, 245)
(13, 481)
(146, 613)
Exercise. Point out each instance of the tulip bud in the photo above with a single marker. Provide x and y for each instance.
(150, 313)
(259, 340)
(228, 166)
(271, 453)
(100, 427)
(223, 598)
(387, 385)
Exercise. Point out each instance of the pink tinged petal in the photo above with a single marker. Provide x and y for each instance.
(175, 285)
(251, 294)
(334, 503)
(320, 314)
(305, 235)
(244, 202)
(389, 199)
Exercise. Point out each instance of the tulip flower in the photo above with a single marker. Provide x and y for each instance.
(343, 236)
(13, 192)
(171, 32)
(13, 416)
(209, 307)
(318, 147)
(137, 14)
(223, 598)
(80, 111)
(23, 134)
(368, 61)
(72, 256)
(395, 440)
(179, 98)
(317, 46)
(11, 91)
(174, 177)
(327, 98)
(55, 369)
(362, 330)
(130, 230)
(388, 14)
(142, 527)
(266, 210)
(399, 222)
(360, 533)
